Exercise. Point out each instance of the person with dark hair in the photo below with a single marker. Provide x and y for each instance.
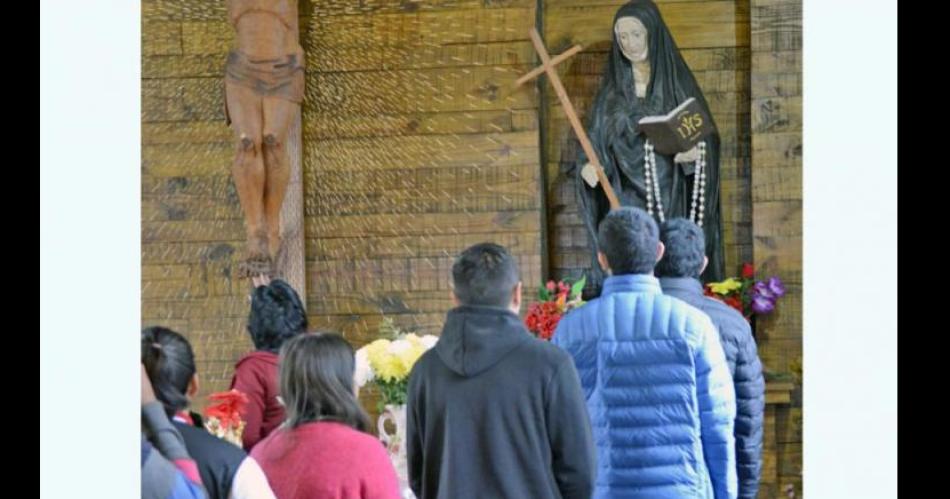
(168, 472)
(277, 314)
(679, 271)
(493, 411)
(658, 388)
(226, 470)
(324, 449)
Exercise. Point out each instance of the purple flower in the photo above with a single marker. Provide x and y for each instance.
(762, 290)
(764, 294)
(776, 287)
(762, 305)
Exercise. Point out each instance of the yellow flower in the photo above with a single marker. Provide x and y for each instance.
(389, 368)
(381, 360)
(725, 287)
(393, 360)
(376, 349)
(410, 355)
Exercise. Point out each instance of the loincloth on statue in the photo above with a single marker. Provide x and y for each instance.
(282, 77)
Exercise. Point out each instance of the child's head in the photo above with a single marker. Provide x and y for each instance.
(277, 314)
(170, 364)
(316, 381)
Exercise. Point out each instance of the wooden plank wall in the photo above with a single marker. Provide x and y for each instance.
(416, 146)
(777, 209)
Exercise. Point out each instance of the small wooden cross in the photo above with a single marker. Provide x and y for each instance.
(547, 66)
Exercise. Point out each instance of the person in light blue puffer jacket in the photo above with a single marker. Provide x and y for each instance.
(661, 399)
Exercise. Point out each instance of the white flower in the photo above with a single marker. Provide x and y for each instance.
(429, 341)
(364, 371)
(399, 347)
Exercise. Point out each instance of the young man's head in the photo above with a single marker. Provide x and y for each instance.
(685, 254)
(629, 242)
(486, 274)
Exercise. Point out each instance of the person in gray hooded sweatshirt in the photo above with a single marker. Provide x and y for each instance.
(493, 411)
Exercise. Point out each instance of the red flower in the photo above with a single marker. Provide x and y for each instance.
(542, 319)
(533, 318)
(228, 409)
(748, 271)
(735, 302)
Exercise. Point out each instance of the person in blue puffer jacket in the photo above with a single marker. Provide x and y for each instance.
(661, 399)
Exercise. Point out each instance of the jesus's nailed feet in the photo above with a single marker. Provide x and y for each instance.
(256, 266)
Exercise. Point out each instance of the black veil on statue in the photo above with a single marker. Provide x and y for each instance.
(613, 132)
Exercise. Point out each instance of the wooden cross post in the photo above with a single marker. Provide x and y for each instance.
(291, 263)
(547, 66)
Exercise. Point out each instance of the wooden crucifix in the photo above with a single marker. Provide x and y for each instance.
(547, 66)
(264, 88)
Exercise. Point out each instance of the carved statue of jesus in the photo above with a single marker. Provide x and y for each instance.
(264, 85)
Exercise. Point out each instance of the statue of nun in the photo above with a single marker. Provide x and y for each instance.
(647, 76)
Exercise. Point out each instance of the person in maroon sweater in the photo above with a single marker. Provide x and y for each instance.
(323, 450)
(277, 314)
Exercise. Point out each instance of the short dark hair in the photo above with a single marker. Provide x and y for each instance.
(276, 315)
(485, 274)
(629, 236)
(170, 364)
(685, 249)
(316, 381)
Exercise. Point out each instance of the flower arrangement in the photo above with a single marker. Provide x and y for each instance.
(388, 361)
(223, 419)
(555, 299)
(745, 294)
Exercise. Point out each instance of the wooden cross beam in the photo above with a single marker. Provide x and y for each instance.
(547, 66)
